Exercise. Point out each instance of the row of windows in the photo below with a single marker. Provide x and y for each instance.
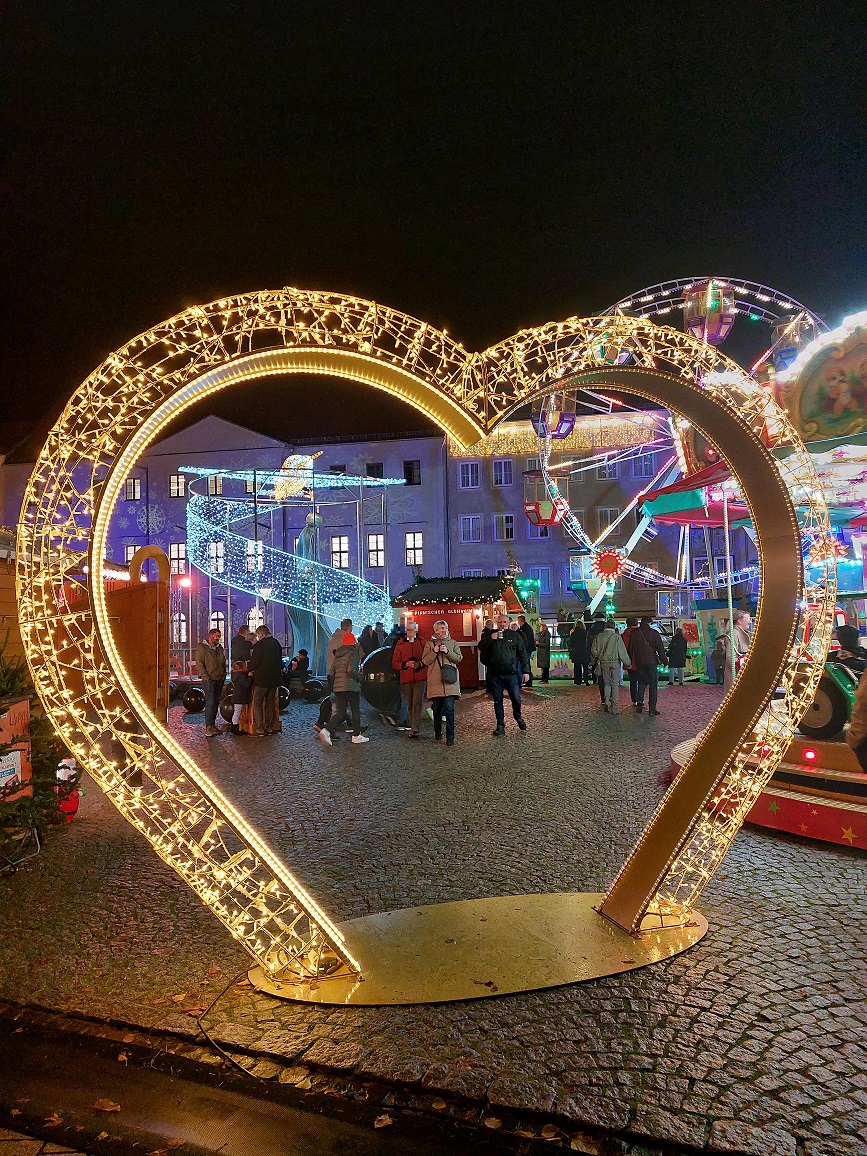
(503, 474)
(413, 544)
(504, 525)
(178, 486)
(411, 470)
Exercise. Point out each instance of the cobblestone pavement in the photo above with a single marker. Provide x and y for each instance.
(753, 1041)
(17, 1144)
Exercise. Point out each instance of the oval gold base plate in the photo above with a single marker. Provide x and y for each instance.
(483, 947)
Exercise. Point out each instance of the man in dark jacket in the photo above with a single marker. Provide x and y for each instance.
(596, 627)
(242, 644)
(525, 629)
(647, 652)
(266, 666)
(211, 666)
(504, 654)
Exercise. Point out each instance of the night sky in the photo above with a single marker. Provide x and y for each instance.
(484, 166)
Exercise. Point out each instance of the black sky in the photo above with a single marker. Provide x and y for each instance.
(482, 165)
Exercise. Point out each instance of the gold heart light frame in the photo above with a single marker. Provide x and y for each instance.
(125, 404)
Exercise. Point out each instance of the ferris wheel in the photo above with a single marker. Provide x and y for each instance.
(709, 307)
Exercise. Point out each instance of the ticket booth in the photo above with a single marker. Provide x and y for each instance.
(465, 604)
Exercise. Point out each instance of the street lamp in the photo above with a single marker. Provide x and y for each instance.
(265, 593)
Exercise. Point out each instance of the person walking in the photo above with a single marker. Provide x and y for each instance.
(579, 653)
(610, 655)
(647, 652)
(442, 658)
(543, 651)
(596, 627)
(631, 669)
(242, 645)
(741, 636)
(676, 657)
(529, 645)
(504, 654)
(242, 698)
(211, 667)
(266, 666)
(334, 644)
(406, 659)
(346, 692)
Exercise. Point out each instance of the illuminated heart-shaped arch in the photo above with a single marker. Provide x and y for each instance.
(130, 399)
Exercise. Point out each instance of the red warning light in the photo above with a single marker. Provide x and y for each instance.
(809, 754)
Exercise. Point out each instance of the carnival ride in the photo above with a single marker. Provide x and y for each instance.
(710, 306)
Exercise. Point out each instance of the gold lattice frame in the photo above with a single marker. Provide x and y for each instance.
(129, 400)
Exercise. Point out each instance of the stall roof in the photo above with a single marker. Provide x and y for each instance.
(461, 592)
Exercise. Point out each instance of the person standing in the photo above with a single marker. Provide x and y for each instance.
(718, 658)
(596, 627)
(346, 692)
(676, 657)
(579, 652)
(487, 631)
(442, 657)
(266, 666)
(647, 652)
(504, 654)
(406, 659)
(211, 668)
(242, 645)
(543, 651)
(741, 636)
(631, 670)
(242, 698)
(368, 642)
(609, 654)
(379, 631)
(529, 645)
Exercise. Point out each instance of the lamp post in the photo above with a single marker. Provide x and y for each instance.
(186, 583)
(265, 593)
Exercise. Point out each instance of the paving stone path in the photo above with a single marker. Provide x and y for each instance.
(754, 1041)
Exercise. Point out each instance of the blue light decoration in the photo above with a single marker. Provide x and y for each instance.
(290, 579)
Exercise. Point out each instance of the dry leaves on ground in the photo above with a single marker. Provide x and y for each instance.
(383, 1121)
(492, 1122)
(106, 1105)
(53, 1120)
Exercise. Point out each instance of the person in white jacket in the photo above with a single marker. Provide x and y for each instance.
(609, 654)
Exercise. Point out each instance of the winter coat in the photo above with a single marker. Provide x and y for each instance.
(345, 670)
(645, 647)
(627, 642)
(504, 654)
(529, 638)
(578, 648)
(334, 644)
(266, 662)
(242, 687)
(404, 652)
(543, 648)
(368, 641)
(436, 688)
(241, 648)
(608, 647)
(211, 662)
(677, 651)
(299, 667)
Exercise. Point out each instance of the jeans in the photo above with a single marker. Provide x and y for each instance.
(212, 690)
(648, 677)
(445, 706)
(511, 684)
(412, 697)
(265, 708)
(582, 670)
(675, 673)
(632, 675)
(346, 702)
(611, 674)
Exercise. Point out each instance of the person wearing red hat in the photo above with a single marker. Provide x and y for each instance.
(346, 692)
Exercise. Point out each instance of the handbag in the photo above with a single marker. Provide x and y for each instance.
(449, 673)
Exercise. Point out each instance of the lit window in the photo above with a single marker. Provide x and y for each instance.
(375, 548)
(605, 515)
(374, 470)
(255, 556)
(502, 472)
(179, 629)
(642, 466)
(177, 486)
(535, 533)
(218, 622)
(412, 472)
(543, 574)
(132, 490)
(340, 551)
(128, 552)
(504, 527)
(215, 484)
(471, 528)
(178, 557)
(414, 548)
(255, 617)
(607, 472)
(217, 557)
(249, 486)
(532, 465)
(471, 573)
(468, 476)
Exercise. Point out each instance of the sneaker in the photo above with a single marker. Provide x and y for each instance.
(360, 739)
(522, 726)
(387, 718)
(654, 712)
(499, 732)
(605, 707)
(404, 729)
(325, 736)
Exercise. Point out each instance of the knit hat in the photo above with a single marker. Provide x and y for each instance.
(349, 639)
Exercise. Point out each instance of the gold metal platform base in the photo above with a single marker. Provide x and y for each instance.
(484, 947)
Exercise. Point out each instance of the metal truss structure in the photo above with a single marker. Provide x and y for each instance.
(127, 402)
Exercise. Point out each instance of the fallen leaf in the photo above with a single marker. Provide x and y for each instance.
(383, 1121)
(439, 1105)
(14, 1111)
(195, 1010)
(105, 1105)
(53, 1120)
(103, 1136)
(527, 1135)
(123, 1058)
(492, 1122)
(550, 1132)
(180, 998)
(304, 1084)
(129, 1038)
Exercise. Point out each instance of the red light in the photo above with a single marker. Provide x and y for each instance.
(809, 754)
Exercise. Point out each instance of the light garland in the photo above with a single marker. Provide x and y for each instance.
(608, 565)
